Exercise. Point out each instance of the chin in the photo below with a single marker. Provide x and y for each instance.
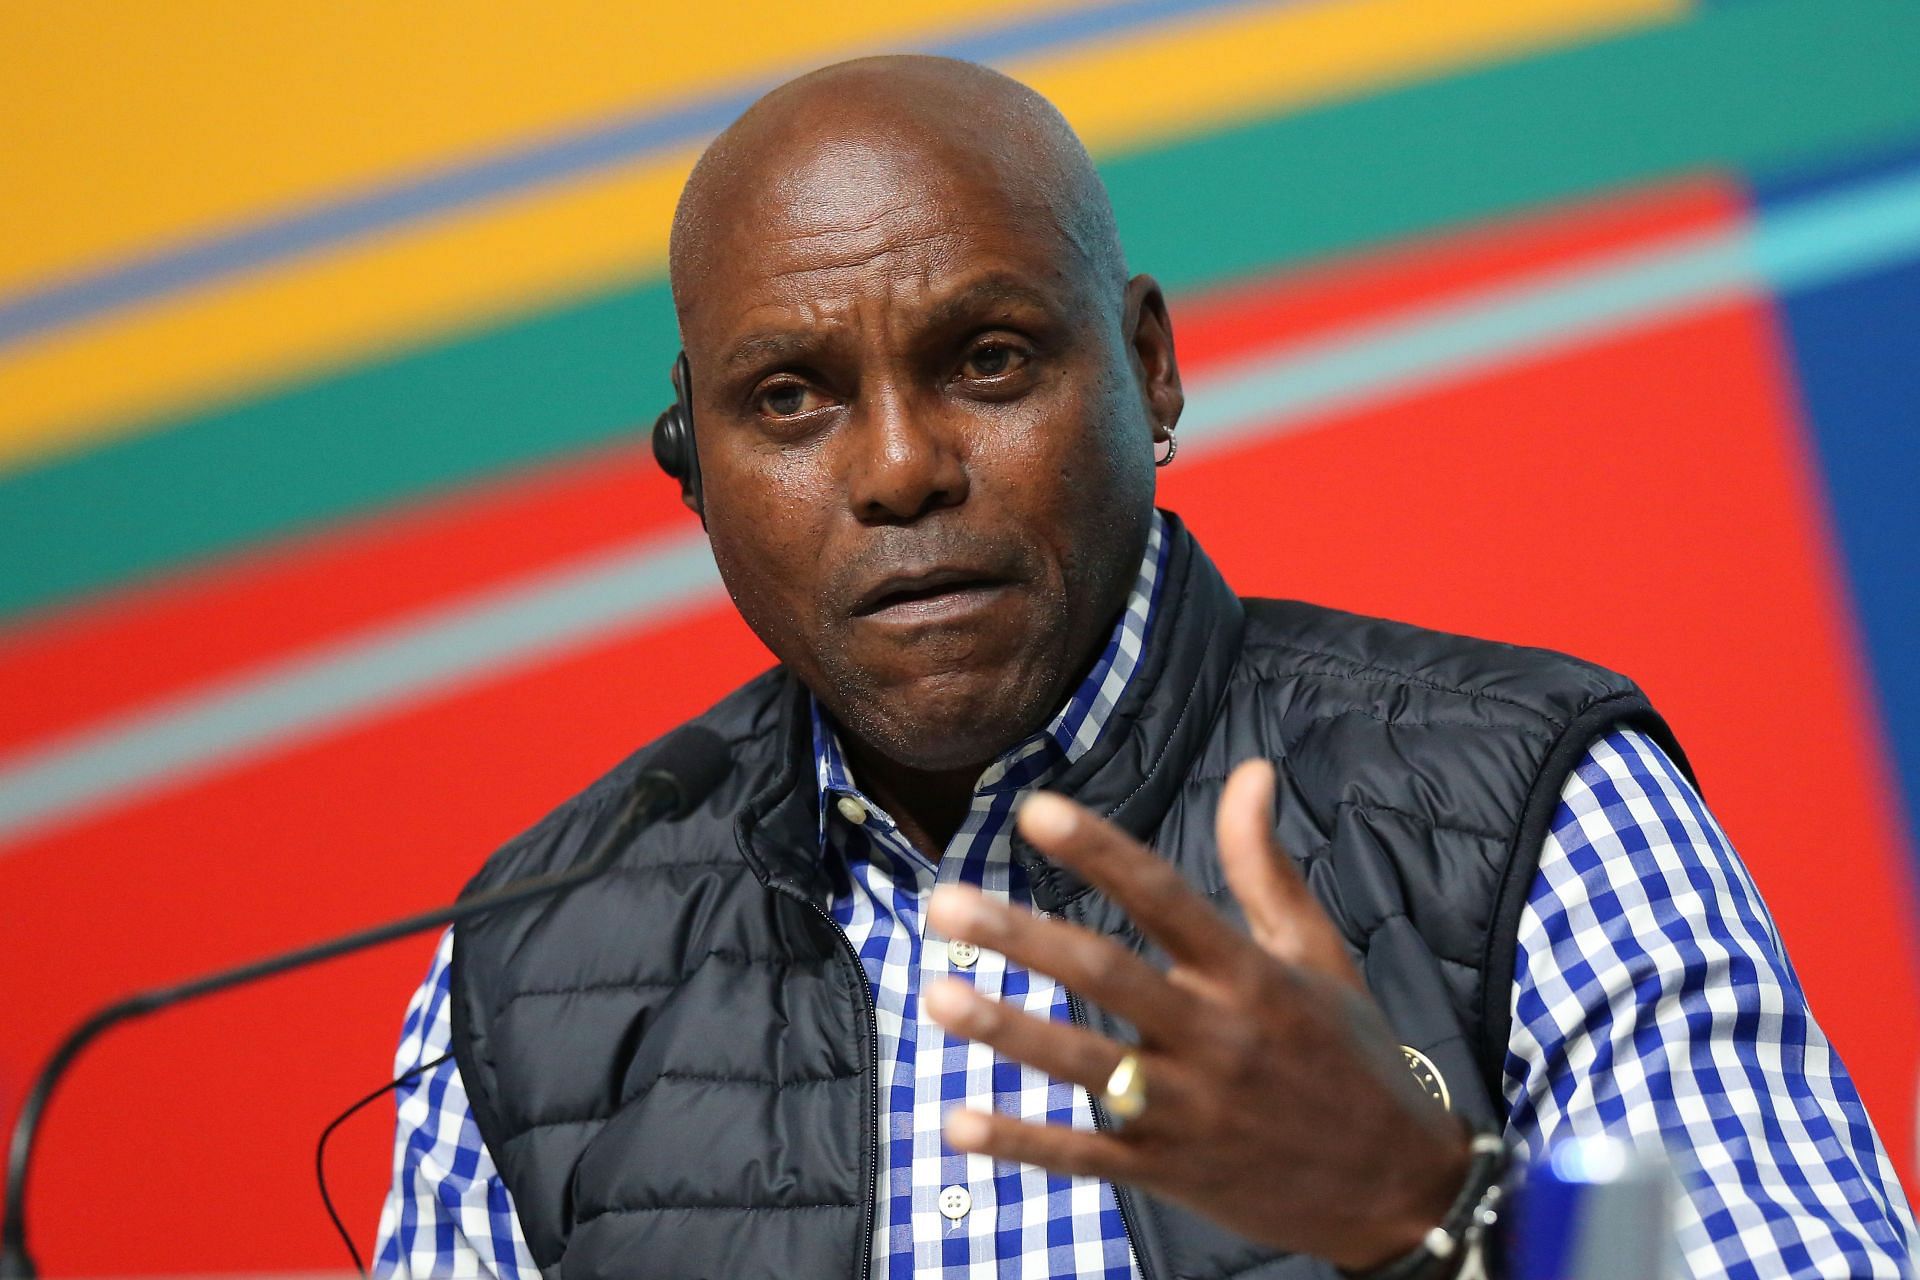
(953, 720)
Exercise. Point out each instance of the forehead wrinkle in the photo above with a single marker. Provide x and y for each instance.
(806, 219)
(1013, 247)
(816, 319)
(941, 209)
(845, 250)
(909, 300)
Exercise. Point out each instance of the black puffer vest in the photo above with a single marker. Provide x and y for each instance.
(674, 1067)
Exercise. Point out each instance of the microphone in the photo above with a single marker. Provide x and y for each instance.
(683, 771)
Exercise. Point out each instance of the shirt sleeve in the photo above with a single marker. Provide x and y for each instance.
(1653, 1000)
(447, 1212)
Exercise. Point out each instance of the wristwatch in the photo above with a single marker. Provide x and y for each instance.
(1456, 1249)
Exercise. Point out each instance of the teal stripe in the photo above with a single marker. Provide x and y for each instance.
(520, 623)
(1754, 86)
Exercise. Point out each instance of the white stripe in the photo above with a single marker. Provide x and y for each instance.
(1796, 247)
(331, 687)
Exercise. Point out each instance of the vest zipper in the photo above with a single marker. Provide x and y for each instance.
(873, 1074)
(1121, 1195)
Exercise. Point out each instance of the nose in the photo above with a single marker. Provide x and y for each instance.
(905, 461)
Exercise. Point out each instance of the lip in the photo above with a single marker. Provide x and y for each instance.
(927, 594)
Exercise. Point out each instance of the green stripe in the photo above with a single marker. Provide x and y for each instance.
(381, 434)
(1745, 87)
(1753, 86)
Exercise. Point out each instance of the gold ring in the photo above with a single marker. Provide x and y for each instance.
(1126, 1093)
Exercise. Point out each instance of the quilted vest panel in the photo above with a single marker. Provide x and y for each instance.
(673, 1067)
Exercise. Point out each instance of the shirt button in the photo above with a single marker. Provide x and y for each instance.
(852, 810)
(954, 1202)
(962, 954)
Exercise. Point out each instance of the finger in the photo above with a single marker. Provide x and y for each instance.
(1282, 913)
(1092, 967)
(1062, 1050)
(1145, 886)
(1074, 1152)
(1250, 855)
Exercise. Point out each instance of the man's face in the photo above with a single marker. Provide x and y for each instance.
(925, 432)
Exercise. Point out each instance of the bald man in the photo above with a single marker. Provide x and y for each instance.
(1064, 913)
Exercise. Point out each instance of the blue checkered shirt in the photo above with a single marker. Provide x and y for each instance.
(1651, 999)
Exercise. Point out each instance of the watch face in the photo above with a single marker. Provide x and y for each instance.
(1428, 1075)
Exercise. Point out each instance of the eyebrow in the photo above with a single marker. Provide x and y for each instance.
(970, 301)
(947, 313)
(767, 346)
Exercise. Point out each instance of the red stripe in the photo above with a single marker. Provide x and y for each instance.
(185, 1144)
(144, 644)
(1250, 316)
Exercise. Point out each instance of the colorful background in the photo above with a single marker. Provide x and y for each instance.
(331, 553)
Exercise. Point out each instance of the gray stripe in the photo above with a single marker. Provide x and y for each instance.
(208, 728)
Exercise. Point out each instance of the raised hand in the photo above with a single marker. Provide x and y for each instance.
(1277, 1100)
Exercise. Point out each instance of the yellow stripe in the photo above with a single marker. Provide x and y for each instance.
(84, 386)
(133, 124)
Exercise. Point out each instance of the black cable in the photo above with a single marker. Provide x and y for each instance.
(320, 1151)
(687, 765)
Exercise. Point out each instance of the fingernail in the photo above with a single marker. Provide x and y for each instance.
(1045, 816)
(1266, 778)
(956, 912)
(966, 1130)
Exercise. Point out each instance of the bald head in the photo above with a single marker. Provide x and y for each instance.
(926, 397)
(835, 146)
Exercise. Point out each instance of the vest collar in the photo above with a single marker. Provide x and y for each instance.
(778, 827)
(1130, 776)
(1166, 716)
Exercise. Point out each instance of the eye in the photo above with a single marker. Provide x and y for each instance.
(994, 359)
(787, 399)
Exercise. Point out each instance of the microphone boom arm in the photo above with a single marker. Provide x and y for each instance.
(656, 795)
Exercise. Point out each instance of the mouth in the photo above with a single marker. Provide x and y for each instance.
(927, 595)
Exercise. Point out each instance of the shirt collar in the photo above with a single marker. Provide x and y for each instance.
(1074, 728)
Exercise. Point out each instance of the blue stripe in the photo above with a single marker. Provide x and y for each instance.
(1852, 335)
(559, 158)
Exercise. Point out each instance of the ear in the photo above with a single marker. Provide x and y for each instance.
(692, 491)
(1149, 336)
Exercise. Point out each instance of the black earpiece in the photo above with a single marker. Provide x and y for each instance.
(673, 446)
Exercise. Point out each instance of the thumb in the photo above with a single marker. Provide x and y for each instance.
(1282, 913)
